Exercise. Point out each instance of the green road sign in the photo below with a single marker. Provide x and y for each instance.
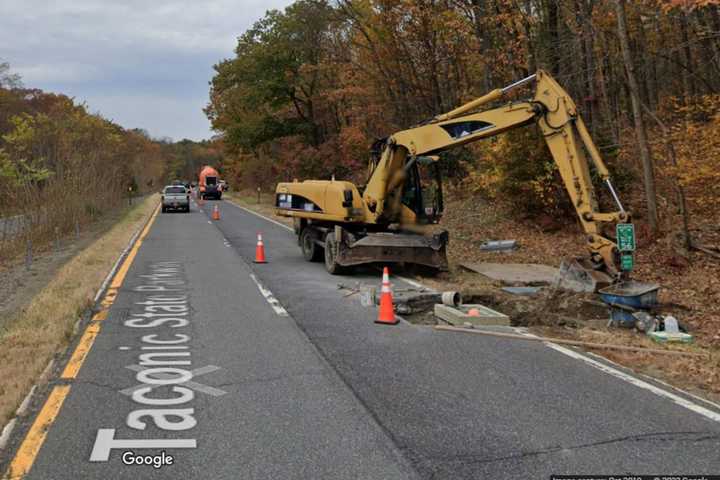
(625, 237)
(627, 262)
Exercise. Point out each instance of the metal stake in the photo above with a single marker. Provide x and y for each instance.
(28, 255)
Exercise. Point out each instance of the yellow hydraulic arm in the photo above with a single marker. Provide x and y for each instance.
(551, 109)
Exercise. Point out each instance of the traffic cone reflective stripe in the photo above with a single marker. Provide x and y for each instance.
(260, 250)
(386, 315)
(216, 213)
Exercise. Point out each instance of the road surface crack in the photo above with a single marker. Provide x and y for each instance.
(692, 437)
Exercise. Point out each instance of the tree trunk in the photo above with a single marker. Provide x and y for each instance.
(648, 174)
(679, 190)
(650, 78)
(687, 73)
(590, 65)
(479, 11)
(553, 18)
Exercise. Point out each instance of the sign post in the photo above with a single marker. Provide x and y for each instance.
(626, 244)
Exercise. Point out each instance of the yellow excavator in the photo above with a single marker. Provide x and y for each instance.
(386, 220)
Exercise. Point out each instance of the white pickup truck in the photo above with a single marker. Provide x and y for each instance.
(175, 197)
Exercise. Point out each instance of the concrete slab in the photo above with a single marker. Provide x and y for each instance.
(515, 272)
(521, 290)
(458, 316)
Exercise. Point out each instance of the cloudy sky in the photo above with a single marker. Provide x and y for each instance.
(141, 63)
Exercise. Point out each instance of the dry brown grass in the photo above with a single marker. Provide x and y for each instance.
(33, 336)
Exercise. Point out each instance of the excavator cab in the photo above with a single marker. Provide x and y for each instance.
(422, 191)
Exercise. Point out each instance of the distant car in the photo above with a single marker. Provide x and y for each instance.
(175, 197)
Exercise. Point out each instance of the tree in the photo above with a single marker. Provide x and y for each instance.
(7, 79)
(640, 133)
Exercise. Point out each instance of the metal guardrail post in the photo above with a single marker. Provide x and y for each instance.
(28, 255)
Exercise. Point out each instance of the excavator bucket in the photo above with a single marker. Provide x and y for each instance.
(384, 247)
(577, 275)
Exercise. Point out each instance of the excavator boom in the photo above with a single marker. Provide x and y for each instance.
(381, 204)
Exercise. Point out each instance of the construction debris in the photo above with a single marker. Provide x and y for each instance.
(666, 337)
(561, 341)
(625, 299)
(474, 314)
(515, 273)
(575, 278)
(521, 290)
(671, 332)
(499, 245)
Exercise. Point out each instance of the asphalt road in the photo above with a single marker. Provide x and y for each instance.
(305, 385)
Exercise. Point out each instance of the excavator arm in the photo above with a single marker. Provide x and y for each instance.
(569, 142)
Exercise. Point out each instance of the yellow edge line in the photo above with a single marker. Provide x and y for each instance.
(122, 272)
(78, 357)
(26, 454)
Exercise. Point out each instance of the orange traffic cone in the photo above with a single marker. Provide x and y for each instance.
(260, 250)
(386, 314)
(216, 213)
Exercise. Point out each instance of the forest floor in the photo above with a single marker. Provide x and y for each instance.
(690, 287)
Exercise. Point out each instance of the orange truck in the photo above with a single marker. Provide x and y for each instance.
(209, 183)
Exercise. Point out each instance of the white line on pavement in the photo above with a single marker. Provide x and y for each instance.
(638, 383)
(565, 351)
(274, 303)
(261, 216)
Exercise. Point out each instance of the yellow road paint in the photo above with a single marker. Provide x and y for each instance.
(25, 456)
(78, 357)
(109, 297)
(122, 272)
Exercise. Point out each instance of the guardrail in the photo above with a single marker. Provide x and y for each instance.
(28, 233)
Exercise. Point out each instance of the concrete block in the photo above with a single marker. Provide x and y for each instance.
(458, 316)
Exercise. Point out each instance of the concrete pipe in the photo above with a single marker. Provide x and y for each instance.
(451, 299)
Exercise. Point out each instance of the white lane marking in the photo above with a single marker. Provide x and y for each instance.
(261, 216)
(571, 353)
(683, 402)
(410, 282)
(274, 303)
(656, 380)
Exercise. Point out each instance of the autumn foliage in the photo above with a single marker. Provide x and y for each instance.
(311, 87)
(62, 167)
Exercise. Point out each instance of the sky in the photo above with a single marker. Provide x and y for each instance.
(140, 63)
